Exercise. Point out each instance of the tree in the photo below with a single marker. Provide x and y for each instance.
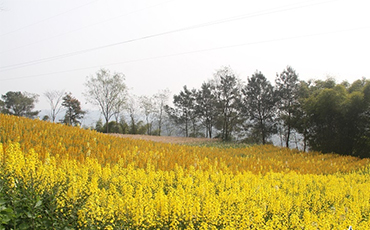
(287, 87)
(148, 106)
(339, 117)
(260, 105)
(55, 98)
(363, 141)
(325, 108)
(2, 106)
(183, 113)
(99, 126)
(106, 91)
(73, 110)
(227, 90)
(19, 104)
(301, 118)
(161, 99)
(136, 125)
(205, 107)
(46, 118)
(355, 124)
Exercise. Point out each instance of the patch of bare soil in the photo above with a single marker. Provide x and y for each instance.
(167, 139)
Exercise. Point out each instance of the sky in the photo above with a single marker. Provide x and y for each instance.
(166, 44)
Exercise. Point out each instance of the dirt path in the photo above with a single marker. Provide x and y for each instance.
(167, 139)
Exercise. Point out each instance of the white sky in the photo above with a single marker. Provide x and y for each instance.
(316, 38)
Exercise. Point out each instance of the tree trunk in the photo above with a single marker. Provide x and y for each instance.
(160, 122)
(304, 140)
(106, 123)
(210, 131)
(288, 131)
(263, 132)
(287, 136)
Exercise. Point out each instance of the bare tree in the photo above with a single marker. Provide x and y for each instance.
(106, 91)
(132, 110)
(161, 100)
(118, 108)
(148, 106)
(55, 100)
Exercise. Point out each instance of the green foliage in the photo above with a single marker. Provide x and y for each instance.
(23, 206)
(99, 126)
(137, 128)
(122, 127)
(325, 112)
(331, 117)
(338, 117)
(260, 107)
(7, 215)
(114, 127)
(184, 111)
(19, 104)
(205, 107)
(227, 91)
(74, 111)
(287, 92)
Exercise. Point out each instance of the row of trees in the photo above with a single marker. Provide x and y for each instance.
(329, 117)
(140, 115)
(122, 112)
(132, 114)
(23, 104)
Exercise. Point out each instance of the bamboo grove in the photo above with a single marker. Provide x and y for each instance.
(54, 176)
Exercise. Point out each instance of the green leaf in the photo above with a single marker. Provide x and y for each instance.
(28, 214)
(2, 201)
(23, 226)
(6, 210)
(38, 204)
(5, 219)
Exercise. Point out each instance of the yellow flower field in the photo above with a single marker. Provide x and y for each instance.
(79, 179)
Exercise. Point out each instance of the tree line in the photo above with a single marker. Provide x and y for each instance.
(330, 117)
(327, 116)
(122, 111)
(23, 104)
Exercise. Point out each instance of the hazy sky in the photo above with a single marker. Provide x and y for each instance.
(54, 45)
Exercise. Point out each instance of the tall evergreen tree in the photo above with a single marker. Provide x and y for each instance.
(205, 107)
(287, 88)
(260, 105)
(183, 113)
(227, 90)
